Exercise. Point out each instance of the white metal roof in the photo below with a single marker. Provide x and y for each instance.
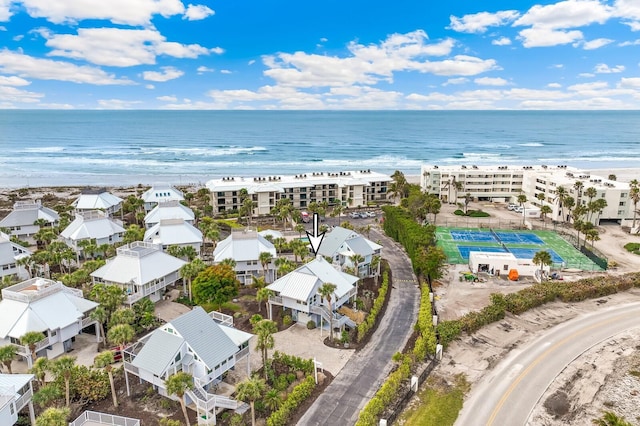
(56, 310)
(138, 265)
(158, 351)
(15, 382)
(237, 336)
(104, 200)
(27, 213)
(243, 246)
(97, 227)
(9, 251)
(173, 231)
(170, 210)
(158, 193)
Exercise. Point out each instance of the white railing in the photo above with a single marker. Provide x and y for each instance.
(105, 419)
(242, 353)
(275, 299)
(134, 297)
(43, 343)
(131, 368)
(221, 318)
(24, 399)
(87, 322)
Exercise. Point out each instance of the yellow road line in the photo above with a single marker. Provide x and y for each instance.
(522, 375)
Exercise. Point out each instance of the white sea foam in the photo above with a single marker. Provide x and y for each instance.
(44, 149)
(531, 144)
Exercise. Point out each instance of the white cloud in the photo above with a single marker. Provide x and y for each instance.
(46, 69)
(595, 85)
(566, 14)
(167, 98)
(586, 75)
(129, 12)
(12, 94)
(458, 80)
(119, 47)
(596, 43)
(479, 22)
(251, 62)
(554, 85)
(5, 11)
(197, 12)
(502, 41)
(149, 86)
(629, 11)
(117, 104)
(491, 81)
(225, 71)
(167, 73)
(629, 83)
(324, 39)
(546, 37)
(3, 28)
(202, 69)
(629, 43)
(557, 66)
(13, 81)
(605, 69)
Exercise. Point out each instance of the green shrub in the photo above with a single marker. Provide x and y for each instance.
(633, 247)
(426, 341)
(298, 395)
(286, 320)
(369, 322)
(311, 324)
(459, 212)
(448, 331)
(477, 213)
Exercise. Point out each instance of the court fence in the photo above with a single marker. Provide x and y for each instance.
(476, 222)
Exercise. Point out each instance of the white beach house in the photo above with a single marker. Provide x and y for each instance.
(92, 225)
(16, 391)
(10, 253)
(45, 306)
(160, 194)
(298, 291)
(342, 244)
(141, 269)
(169, 210)
(21, 222)
(97, 199)
(244, 247)
(174, 232)
(203, 345)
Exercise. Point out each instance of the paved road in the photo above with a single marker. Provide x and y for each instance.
(511, 391)
(358, 381)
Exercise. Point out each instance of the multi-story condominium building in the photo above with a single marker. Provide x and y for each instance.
(505, 183)
(350, 189)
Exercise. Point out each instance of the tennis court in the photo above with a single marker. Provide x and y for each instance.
(458, 242)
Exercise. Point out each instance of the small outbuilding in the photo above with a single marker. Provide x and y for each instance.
(502, 264)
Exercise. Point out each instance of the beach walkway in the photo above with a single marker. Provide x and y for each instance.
(363, 374)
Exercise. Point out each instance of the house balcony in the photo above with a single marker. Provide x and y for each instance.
(24, 398)
(23, 350)
(91, 418)
(222, 319)
(145, 291)
(276, 300)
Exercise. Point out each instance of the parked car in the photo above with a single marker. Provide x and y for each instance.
(512, 206)
(354, 215)
(518, 209)
(371, 214)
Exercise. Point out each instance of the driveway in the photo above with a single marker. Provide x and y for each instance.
(363, 374)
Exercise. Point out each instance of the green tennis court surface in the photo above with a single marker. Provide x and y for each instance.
(458, 242)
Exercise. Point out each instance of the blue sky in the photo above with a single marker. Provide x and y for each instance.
(282, 54)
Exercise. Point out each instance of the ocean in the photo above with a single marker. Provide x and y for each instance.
(113, 148)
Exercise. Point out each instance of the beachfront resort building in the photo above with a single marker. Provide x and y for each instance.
(16, 391)
(350, 189)
(97, 199)
(10, 254)
(505, 183)
(174, 232)
(46, 306)
(298, 291)
(92, 225)
(244, 248)
(169, 210)
(23, 221)
(160, 194)
(343, 244)
(206, 346)
(142, 270)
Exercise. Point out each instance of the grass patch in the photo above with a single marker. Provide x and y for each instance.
(439, 403)
(472, 213)
(230, 223)
(635, 373)
(633, 248)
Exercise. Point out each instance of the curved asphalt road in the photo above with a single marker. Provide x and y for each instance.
(357, 382)
(511, 391)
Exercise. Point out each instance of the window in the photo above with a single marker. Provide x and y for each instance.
(12, 408)
(621, 203)
(177, 357)
(505, 267)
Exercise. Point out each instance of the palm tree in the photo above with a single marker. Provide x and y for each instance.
(53, 416)
(191, 270)
(100, 315)
(544, 211)
(249, 391)
(612, 177)
(104, 360)
(634, 194)
(458, 186)
(299, 228)
(542, 258)
(540, 197)
(272, 399)
(178, 384)
(609, 418)
(63, 367)
(264, 330)
(120, 335)
(375, 266)
(7, 355)
(30, 338)
(326, 290)
(357, 259)
(265, 259)
(263, 296)
(39, 369)
(578, 185)
(521, 200)
(561, 194)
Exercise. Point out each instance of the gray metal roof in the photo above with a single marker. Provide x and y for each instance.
(205, 337)
(158, 352)
(243, 246)
(83, 228)
(359, 245)
(28, 214)
(333, 240)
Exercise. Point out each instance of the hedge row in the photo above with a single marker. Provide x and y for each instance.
(536, 295)
(385, 395)
(294, 362)
(401, 226)
(368, 323)
(302, 391)
(426, 341)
